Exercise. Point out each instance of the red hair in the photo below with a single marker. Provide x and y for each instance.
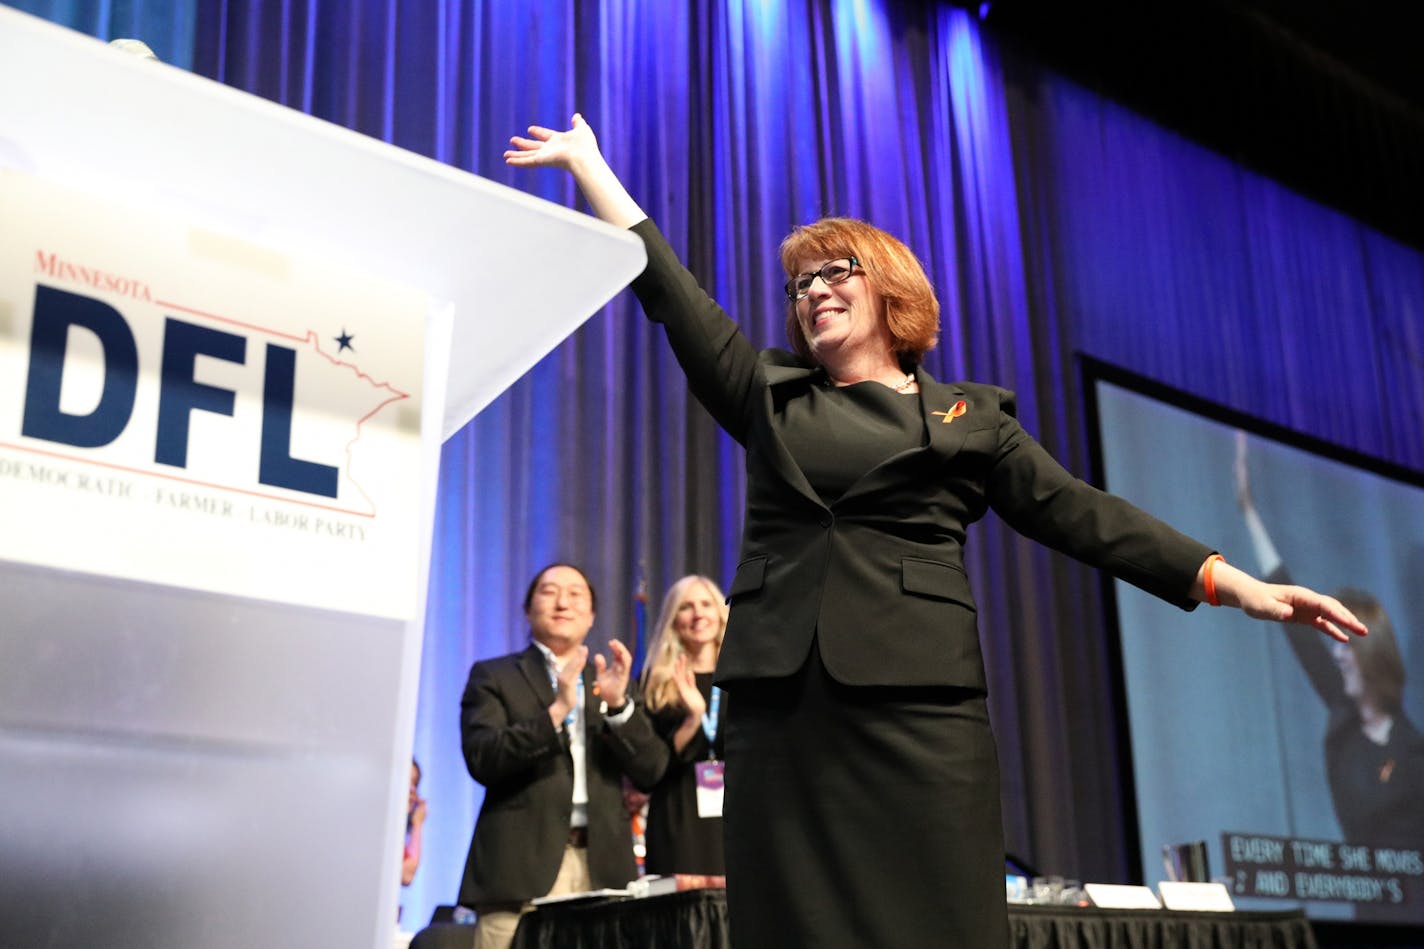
(910, 310)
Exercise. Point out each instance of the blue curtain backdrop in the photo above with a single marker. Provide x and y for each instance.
(167, 26)
(1053, 224)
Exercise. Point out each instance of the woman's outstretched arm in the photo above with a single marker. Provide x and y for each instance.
(1282, 602)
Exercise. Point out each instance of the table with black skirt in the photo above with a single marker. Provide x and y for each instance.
(697, 919)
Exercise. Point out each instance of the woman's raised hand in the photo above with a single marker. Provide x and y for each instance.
(576, 151)
(545, 147)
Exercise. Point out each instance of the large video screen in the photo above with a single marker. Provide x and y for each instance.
(1300, 764)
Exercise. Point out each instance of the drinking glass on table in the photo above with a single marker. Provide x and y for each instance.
(1046, 890)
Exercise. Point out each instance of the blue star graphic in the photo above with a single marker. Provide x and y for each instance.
(344, 341)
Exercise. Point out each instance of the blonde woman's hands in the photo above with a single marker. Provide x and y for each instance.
(686, 681)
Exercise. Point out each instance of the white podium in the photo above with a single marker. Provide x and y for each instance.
(232, 340)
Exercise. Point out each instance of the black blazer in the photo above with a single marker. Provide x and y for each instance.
(878, 574)
(515, 751)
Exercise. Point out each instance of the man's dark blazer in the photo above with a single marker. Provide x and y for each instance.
(877, 575)
(522, 759)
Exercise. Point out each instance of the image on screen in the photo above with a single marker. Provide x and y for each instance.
(1299, 764)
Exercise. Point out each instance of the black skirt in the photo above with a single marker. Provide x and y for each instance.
(862, 817)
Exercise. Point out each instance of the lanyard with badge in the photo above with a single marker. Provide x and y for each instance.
(709, 773)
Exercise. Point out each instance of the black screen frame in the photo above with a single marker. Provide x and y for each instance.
(1092, 372)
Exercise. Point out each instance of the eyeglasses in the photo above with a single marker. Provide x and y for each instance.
(834, 272)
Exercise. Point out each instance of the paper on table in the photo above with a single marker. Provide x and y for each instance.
(604, 893)
(1120, 896)
(1199, 897)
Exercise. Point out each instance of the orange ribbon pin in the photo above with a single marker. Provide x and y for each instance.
(959, 409)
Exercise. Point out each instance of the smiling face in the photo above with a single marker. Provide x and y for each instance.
(889, 279)
(844, 320)
(698, 621)
(560, 610)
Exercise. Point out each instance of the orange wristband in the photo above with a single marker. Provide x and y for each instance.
(1209, 581)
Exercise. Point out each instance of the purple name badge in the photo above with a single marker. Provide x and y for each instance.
(709, 775)
(709, 788)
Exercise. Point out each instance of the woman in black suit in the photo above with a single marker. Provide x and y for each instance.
(684, 832)
(862, 800)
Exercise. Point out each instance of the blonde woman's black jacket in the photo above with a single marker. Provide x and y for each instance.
(878, 576)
